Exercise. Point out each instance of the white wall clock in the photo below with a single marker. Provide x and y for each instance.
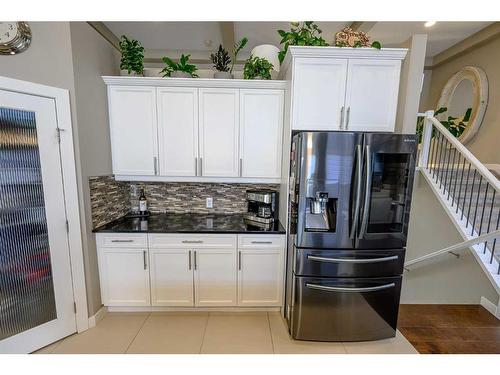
(15, 37)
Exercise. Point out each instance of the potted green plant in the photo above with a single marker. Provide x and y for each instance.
(305, 34)
(257, 68)
(182, 69)
(238, 46)
(132, 61)
(221, 61)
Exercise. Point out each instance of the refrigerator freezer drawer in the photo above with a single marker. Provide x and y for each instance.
(349, 263)
(338, 309)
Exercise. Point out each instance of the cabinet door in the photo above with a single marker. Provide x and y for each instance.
(261, 125)
(260, 277)
(171, 277)
(215, 277)
(124, 277)
(219, 135)
(133, 130)
(318, 93)
(372, 94)
(178, 131)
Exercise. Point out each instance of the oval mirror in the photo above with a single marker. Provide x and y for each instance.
(463, 102)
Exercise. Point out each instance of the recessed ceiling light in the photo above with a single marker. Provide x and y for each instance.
(429, 23)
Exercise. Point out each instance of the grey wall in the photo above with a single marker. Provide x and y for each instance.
(445, 279)
(73, 56)
(92, 57)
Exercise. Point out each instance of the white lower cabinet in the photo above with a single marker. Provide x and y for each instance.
(215, 277)
(171, 277)
(124, 276)
(194, 270)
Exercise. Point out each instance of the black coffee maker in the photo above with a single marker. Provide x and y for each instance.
(262, 208)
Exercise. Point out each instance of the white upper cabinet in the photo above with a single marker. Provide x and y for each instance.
(343, 89)
(318, 93)
(178, 131)
(372, 95)
(219, 132)
(133, 130)
(261, 127)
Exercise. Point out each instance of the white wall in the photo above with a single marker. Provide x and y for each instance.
(445, 279)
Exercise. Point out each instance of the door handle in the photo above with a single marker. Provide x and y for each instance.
(359, 171)
(366, 207)
(350, 290)
(347, 118)
(195, 265)
(241, 166)
(342, 117)
(201, 166)
(239, 260)
(155, 160)
(188, 241)
(196, 166)
(347, 260)
(144, 259)
(122, 240)
(189, 260)
(262, 242)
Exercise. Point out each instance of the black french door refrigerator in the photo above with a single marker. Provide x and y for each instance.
(349, 205)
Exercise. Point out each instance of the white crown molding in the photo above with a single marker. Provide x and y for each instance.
(194, 82)
(342, 53)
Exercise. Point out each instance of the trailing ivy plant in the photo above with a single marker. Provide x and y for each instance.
(238, 46)
(257, 67)
(221, 59)
(305, 34)
(132, 56)
(182, 66)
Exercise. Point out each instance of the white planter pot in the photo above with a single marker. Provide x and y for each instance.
(177, 74)
(223, 75)
(132, 74)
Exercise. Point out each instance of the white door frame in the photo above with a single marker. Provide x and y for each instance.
(63, 113)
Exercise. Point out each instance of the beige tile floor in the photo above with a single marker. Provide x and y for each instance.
(203, 332)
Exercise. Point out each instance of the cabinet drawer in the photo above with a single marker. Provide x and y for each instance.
(260, 240)
(192, 241)
(122, 240)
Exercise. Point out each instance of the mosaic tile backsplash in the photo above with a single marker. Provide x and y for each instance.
(173, 197)
(109, 199)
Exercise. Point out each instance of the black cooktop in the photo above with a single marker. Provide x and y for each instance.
(187, 223)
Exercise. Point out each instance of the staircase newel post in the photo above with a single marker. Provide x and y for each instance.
(426, 139)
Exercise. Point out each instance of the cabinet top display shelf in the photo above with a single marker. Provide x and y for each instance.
(194, 82)
(342, 53)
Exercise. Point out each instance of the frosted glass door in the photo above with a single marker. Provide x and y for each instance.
(36, 299)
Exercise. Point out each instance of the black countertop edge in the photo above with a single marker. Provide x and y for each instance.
(186, 223)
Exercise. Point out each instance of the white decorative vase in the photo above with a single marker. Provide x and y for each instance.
(223, 75)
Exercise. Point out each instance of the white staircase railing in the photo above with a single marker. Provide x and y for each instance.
(468, 191)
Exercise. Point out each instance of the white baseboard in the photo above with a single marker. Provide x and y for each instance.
(99, 315)
(491, 307)
(165, 308)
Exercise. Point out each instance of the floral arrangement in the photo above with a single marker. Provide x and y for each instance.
(347, 37)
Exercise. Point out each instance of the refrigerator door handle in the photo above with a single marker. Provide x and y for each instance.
(347, 260)
(359, 171)
(349, 290)
(366, 206)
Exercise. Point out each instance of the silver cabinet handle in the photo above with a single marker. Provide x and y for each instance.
(347, 260)
(190, 260)
(359, 172)
(196, 166)
(201, 166)
(144, 258)
(122, 240)
(188, 241)
(241, 167)
(239, 260)
(262, 242)
(368, 185)
(342, 117)
(155, 160)
(347, 118)
(350, 290)
(195, 265)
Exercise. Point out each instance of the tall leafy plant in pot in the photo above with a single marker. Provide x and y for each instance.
(221, 61)
(257, 68)
(182, 69)
(305, 34)
(132, 60)
(238, 46)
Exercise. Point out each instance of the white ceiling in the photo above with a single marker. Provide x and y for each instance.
(199, 38)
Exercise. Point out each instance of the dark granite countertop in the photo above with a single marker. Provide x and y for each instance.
(186, 223)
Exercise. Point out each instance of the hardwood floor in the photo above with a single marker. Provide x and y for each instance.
(450, 329)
